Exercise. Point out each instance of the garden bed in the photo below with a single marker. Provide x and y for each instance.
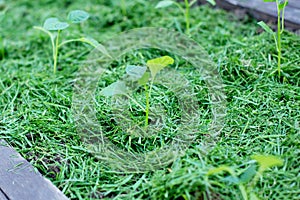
(263, 110)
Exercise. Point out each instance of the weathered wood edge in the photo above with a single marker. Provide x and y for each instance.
(19, 180)
(264, 11)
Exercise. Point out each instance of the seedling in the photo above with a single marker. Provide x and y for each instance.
(54, 24)
(123, 6)
(281, 4)
(185, 11)
(248, 179)
(142, 76)
(2, 49)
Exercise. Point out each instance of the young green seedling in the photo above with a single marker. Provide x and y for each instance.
(248, 179)
(281, 4)
(185, 11)
(142, 76)
(123, 6)
(2, 48)
(53, 24)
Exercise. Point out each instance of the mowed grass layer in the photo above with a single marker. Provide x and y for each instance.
(263, 113)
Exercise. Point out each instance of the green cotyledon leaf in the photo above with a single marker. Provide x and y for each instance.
(157, 64)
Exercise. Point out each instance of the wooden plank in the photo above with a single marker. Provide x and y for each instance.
(19, 180)
(294, 4)
(265, 10)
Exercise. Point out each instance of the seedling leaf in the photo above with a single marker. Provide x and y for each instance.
(220, 169)
(135, 72)
(157, 64)
(78, 16)
(232, 179)
(53, 24)
(267, 161)
(116, 88)
(248, 174)
(212, 2)
(282, 4)
(265, 27)
(163, 4)
(144, 79)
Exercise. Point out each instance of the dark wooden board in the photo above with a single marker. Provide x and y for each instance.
(19, 180)
(266, 11)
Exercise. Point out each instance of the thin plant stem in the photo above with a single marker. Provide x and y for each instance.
(278, 39)
(256, 178)
(187, 17)
(186, 14)
(69, 41)
(123, 6)
(282, 18)
(147, 106)
(48, 33)
(243, 191)
(55, 53)
(148, 96)
(180, 7)
(54, 46)
(2, 48)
